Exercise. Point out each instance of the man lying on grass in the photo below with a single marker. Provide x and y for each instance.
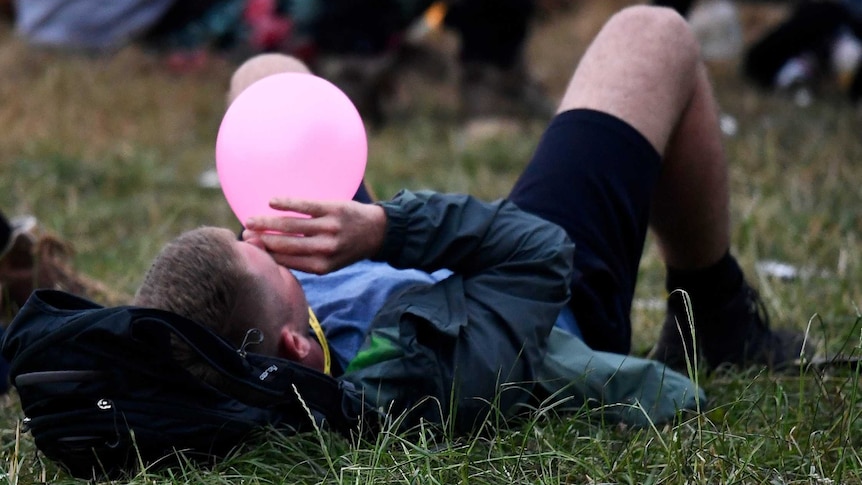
(474, 303)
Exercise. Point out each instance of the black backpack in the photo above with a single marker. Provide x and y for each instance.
(101, 392)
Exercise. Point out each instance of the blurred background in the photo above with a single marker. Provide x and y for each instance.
(107, 138)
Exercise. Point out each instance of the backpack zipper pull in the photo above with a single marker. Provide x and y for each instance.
(253, 333)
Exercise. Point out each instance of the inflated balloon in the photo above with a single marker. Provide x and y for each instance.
(291, 135)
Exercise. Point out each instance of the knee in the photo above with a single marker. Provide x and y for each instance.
(646, 18)
(659, 28)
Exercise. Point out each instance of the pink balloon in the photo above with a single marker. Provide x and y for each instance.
(292, 135)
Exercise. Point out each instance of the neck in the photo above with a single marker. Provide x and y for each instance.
(314, 359)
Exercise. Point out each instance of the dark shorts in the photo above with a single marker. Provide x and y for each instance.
(594, 175)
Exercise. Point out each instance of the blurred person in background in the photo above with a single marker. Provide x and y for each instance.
(681, 6)
(819, 45)
(367, 39)
(7, 10)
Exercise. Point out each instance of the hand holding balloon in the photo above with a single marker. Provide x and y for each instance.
(289, 135)
(336, 234)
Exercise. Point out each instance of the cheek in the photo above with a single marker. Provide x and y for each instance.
(298, 295)
(272, 342)
(289, 282)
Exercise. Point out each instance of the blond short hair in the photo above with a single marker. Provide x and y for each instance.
(259, 67)
(200, 276)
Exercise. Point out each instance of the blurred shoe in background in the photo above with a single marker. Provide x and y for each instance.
(34, 259)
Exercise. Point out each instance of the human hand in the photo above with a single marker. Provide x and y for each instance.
(336, 234)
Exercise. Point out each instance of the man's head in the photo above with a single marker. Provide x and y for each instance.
(231, 286)
(259, 67)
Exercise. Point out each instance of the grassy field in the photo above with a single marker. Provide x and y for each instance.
(107, 152)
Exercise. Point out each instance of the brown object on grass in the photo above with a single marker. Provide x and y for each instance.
(38, 259)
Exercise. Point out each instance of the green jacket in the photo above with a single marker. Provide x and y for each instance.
(484, 339)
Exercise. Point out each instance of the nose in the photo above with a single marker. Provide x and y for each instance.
(256, 242)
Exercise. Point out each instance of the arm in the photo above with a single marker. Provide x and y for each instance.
(333, 235)
(462, 339)
(496, 242)
(486, 243)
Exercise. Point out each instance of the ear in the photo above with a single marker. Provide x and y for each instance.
(292, 345)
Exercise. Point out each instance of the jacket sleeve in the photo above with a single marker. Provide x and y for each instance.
(476, 340)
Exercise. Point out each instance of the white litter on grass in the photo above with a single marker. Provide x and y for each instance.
(728, 125)
(209, 180)
(770, 268)
(786, 271)
(777, 269)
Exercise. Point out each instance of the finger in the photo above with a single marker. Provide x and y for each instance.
(302, 263)
(314, 208)
(289, 244)
(285, 245)
(281, 224)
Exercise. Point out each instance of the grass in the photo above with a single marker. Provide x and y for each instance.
(107, 151)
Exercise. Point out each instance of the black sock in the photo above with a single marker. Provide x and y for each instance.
(709, 287)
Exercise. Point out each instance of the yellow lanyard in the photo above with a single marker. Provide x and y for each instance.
(315, 325)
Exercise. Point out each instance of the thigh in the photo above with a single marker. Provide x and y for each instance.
(642, 68)
(594, 175)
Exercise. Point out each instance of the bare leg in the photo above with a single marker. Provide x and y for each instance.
(655, 82)
(690, 211)
(644, 67)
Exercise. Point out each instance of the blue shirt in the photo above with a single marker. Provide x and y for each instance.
(346, 301)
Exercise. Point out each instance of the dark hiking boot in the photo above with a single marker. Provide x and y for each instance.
(737, 334)
(675, 347)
